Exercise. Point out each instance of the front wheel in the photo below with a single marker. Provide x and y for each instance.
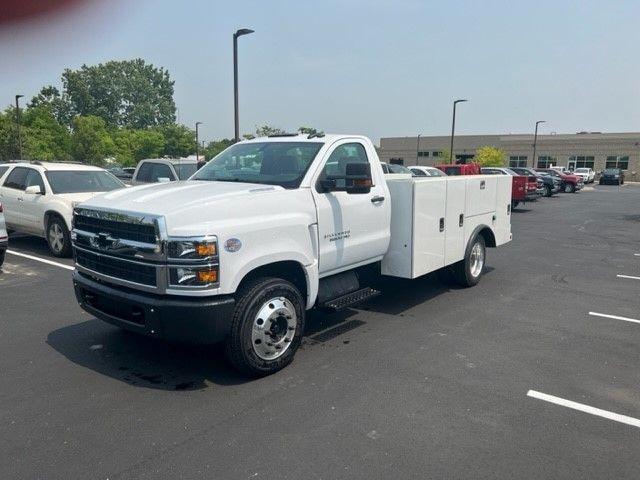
(547, 191)
(467, 272)
(266, 328)
(58, 237)
(569, 188)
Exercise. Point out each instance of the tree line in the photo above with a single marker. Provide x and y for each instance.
(121, 111)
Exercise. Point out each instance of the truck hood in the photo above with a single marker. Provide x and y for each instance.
(188, 206)
(77, 197)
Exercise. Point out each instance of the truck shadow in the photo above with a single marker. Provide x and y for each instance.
(152, 363)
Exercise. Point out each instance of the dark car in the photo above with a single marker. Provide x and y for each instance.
(568, 183)
(550, 184)
(612, 176)
(120, 173)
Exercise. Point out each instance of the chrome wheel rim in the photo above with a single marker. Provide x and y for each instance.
(274, 328)
(56, 237)
(476, 259)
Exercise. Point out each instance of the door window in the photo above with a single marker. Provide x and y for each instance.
(17, 178)
(144, 172)
(3, 170)
(34, 178)
(160, 170)
(337, 162)
(418, 173)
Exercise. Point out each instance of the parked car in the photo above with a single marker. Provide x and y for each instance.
(154, 170)
(38, 198)
(568, 183)
(613, 176)
(395, 168)
(459, 169)
(223, 260)
(550, 184)
(121, 173)
(560, 169)
(4, 236)
(524, 187)
(588, 174)
(421, 171)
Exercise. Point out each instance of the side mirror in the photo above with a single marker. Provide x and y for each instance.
(164, 179)
(357, 179)
(34, 190)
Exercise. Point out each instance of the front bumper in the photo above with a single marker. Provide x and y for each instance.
(185, 319)
(531, 195)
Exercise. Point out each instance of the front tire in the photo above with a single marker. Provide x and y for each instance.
(58, 237)
(267, 327)
(569, 188)
(547, 191)
(467, 272)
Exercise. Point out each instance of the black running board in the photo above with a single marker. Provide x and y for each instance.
(351, 299)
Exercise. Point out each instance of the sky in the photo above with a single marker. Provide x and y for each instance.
(374, 67)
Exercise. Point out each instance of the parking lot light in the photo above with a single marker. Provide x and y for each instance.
(453, 126)
(535, 141)
(18, 97)
(238, 33)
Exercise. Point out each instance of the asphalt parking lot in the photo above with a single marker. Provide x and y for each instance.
(423, 382)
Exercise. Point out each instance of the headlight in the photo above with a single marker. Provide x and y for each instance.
(206, 276)
(193, 249)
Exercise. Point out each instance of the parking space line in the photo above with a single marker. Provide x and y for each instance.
(614, 317)
(616, 417)
(628, 276)
(637, 254)
(43, 260)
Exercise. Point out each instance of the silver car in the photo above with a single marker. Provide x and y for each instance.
(4, 238)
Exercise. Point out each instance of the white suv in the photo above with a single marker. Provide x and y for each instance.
(38, 198)
(4, 238)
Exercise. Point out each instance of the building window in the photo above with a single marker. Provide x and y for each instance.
(621, 162)
(423, 154)
(436, 154)
(396, 161)
(582, 161)
(518, 161)
(545, 161)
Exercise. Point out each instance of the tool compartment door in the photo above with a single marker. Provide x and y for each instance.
(455, 219)
(429, 225)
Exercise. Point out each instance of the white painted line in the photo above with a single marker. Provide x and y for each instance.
(628, 276)
(43, 260)
(616, 417)
(637, 254)
(614, 317)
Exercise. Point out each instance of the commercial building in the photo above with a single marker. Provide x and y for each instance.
(584, 149)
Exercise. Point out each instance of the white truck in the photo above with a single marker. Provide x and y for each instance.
(271, 228)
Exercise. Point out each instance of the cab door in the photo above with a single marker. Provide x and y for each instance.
(353, 228)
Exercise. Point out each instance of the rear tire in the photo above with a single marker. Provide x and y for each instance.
(58, 237)
(467, 272)
(267, 327)
(547, 191)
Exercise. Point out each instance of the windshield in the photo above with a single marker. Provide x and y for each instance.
(271, 163)
(79, 181)
(185, 170)
(582, 170)
(611, 171)
(394, 168)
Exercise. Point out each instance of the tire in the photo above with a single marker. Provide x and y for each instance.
(467, 272)
(547, 191)
(248, 347)
(514, 204)
(2, 252)
(569, 188)
(58, 237)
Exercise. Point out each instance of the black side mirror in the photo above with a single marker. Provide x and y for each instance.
(356, 180)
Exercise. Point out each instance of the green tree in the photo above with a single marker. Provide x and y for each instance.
(214, 148)
(266, 130)
(43, 137)
(307, 130)
(90, 140)
(8, 135)
(179, 141)
(445, 157)
(134, 145)
(129, 93)
(57, 104)
(489, 156)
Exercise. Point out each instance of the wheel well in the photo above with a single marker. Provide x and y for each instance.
(287, 270)
(50, 214)
(489, 237)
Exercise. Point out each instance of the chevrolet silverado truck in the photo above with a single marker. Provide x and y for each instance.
(270, 228)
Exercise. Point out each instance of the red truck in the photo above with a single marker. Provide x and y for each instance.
(524, 188)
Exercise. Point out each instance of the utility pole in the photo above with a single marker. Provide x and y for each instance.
(535, 141)
(453, 127)
(197, 142)
(418, 150)
(239, 33)
(18, 97)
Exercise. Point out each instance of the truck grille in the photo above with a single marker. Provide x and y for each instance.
(138, 232)
(113, 267)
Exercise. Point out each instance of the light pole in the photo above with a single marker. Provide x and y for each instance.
(18, 97)
(197, 143)
(535, 141)
(418, 150)
(239, 33)
(453, 125)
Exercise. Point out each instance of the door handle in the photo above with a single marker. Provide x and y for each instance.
(461, 220)
(20, 199)
(377, 199)
(442, 224)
